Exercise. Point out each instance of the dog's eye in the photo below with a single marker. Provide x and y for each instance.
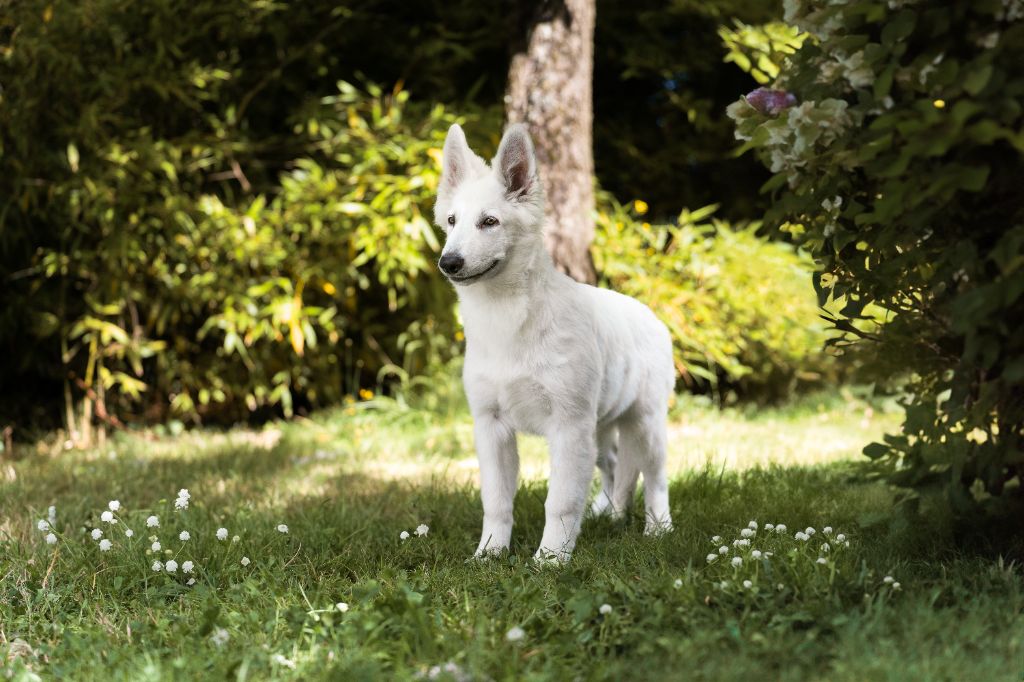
(489, 221)
(451, 220)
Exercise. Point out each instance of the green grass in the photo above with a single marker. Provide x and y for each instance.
(349, 481)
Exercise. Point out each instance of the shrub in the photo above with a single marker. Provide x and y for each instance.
(900, 168)
(740, 308)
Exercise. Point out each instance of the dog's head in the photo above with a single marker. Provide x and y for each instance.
(486, 211)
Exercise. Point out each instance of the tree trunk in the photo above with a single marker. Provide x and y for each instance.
(550, 89)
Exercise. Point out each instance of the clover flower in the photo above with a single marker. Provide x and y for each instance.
(716, 539)
(747, 533)
(222, 533)
(128, 532)
(191, 582)
(114, 505)
(404, 535)
(43, 525)
(235, 539)
(105, 545)
(827, 530)
(245, 561)
(171, 566)
(840, 538)
(184, 536)
(157, 566)
(181, 503)
(723, 550)
(152, 522)
(422, 529)
(781, 528)
(281, 528)
(96, 533)
(747, 584)
(107, 516)
(825, 547)
(896, 586)
(605, 609)
(515, 634)
(737, 562)
(752, 525)
(51, 539)
(711, 557)
(51, 514)
(756, 554)
(679, 583)
(741, 543)
(187, 567)
(822, 560)
(341, 606)
(888, 580)
(220, 637)
(769, 526)
(281, 660)
(155, 546)
(810, 531)
(802, 536)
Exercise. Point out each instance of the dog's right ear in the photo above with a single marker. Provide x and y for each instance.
(458, 162)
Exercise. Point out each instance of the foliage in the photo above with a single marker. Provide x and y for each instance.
(740, 309)
(900, 169)
(71, 610)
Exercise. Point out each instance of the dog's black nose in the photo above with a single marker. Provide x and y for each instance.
(451, 263)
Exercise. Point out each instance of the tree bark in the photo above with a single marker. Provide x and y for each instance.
(550, 89)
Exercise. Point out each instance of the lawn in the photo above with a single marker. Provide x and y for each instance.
(342, 595)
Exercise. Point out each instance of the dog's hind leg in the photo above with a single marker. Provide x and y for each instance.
(607, 443)
(645, 440)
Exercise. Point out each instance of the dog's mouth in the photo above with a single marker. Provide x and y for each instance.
(475, 276)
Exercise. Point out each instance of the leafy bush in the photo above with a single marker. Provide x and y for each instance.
(900, 169)
(740, 308)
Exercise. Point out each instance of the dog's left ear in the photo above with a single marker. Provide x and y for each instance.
(515, 162)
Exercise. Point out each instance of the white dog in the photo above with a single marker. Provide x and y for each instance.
(589, 369)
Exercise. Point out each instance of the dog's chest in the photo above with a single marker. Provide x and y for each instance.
(512, 389)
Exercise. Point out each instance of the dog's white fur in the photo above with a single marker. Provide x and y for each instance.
(588, 368)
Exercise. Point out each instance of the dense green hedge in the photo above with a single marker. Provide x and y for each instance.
(896, 139)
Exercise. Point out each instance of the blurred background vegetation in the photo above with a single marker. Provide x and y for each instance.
(215, 212)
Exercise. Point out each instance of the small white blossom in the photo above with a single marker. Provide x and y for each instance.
(222, 533)
(171, 566)
(747, 533)
(341, 606)
(404, 535)
(245, 561)
(712, 557)
(96, 533)
(281, 660)
(107, 516)
(105, 545)
(43, 525)
(422, 529)
(605, 609)
(51, 539)
(810, 531)
(741, 543)
(896, 586)
(183, 494)
(152, 522)
(679, 583)
(181, 503)
(155, 546)
(187, 567)
(756, 554)
(191, 582)
(802, 536)
(825, 547)
(747, 584)
(827, 530)
(220, 637)
(515, 634)
(128, 532)
(841, 538)
(752, 525)
(769, 526)
(281, 528)
(781, 528)
(723, 550)
(236, 539)
(888, 579)
(51, 513)
(822, 560)
(716, 539)
(157, 566)
(114, 505)
(184, 536)
(737, 562)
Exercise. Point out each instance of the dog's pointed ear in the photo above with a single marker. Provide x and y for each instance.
(457, 165)
(515, 162)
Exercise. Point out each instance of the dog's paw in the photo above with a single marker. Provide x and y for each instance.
(655, 528)
(487, 553)
(547, 558)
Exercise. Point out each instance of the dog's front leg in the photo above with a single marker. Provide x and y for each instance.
(499, 471)
(573, 456)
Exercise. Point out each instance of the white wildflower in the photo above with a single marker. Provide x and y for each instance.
(737, 562)
(128, 532)
(678, 583)
(220, 637)
(896, 586)
(191, 582)
(43, 525)
(515, 634)
(747, 533)
(236, 539)
(157, 566)
(723, 550)
(802, 536)
(810, 531)
(840, 538)
(187, 567)
(155, 546)
(888, 579)
(756, 554)
(712, 557)
(245, 561)
(404, 535)
(827, 530)
(716, 539)
(822, 560)
(747, 584)
(222, 533)
(781, 528)
(51, 514)
(184, 536)
(183, 494)
(181, 503)
(769, 526)
(422, 529)
(171, 566)
(114, 505)
(605, 609)
(281, 528)
(825, 547)
(105, 545)
(96, 533)
(741, 543)
(281, 660)
(107, 516)
(51, 539)
(752, 525)
(341, 606)
(152, 522)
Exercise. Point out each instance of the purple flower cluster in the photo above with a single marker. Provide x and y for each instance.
(771, 102)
